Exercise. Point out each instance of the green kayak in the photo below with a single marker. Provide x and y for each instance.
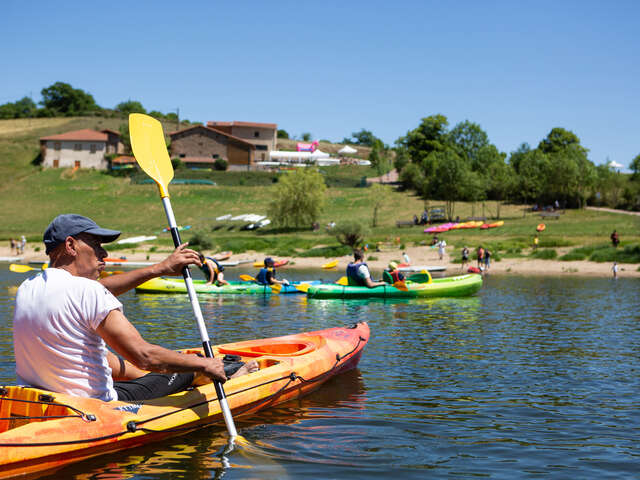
(459, 286)
(176, 285)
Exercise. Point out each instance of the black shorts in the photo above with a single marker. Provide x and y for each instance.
(153, 385)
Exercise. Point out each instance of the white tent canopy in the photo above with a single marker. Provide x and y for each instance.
(347, 150)
(613, 164)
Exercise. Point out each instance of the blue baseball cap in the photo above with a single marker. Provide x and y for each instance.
(70, 224)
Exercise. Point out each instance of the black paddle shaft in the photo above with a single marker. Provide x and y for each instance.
(186, 273)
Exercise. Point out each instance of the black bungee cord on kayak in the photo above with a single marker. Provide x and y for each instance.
(133, 426)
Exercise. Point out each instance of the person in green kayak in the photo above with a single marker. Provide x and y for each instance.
(65, 318)
(358, 273)
(267, 274)
(392, 274)
(212, 271)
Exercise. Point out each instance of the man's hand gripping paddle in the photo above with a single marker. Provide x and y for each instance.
(149, 148)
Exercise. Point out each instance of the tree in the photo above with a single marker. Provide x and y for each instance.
(298, 199)
(449, 179)
(364, 137)
(558, 140)
(379, 196)
(635, 168)
(517, 156)
(379, 157)
(306, 137)
(62, 99)
(468, 139)
(532, 175)
(283, 134)
(350, 233)
(430, 136)
(130, 106)
(23, 108)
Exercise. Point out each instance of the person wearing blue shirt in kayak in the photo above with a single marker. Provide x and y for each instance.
(358, 273)
(212, 271)
(64, 320)
(267, 274)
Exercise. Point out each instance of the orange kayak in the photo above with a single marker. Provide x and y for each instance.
(42, 430)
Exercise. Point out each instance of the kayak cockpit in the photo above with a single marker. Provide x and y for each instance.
(23, 405)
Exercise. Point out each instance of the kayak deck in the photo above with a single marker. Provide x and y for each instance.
(177, 285)
(458, 286)
(41, 430)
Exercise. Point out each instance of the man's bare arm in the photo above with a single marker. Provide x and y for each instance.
(170, 266)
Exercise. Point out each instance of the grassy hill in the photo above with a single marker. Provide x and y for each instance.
(32, 196)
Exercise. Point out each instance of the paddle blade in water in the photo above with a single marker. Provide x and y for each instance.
(150, 149)
(14, 267)
(247, 278)
(303, 287)
(276, 287)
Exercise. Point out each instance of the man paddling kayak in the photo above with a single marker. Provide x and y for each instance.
(358, 271)
(267, 274)
(64, 319)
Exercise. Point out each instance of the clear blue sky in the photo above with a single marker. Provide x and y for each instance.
(334, 67)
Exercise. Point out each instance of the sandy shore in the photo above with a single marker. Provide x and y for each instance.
(378, 261)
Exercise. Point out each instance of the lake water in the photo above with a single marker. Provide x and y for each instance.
(531, 378)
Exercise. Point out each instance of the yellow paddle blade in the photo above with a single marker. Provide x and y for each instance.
(303, 287)
(247, 278)
(150, 149)
(343, 281)
(14, 267)
(401, 286)
(276, 287)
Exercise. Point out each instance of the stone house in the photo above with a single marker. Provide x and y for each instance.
(79, 148)
(199, 146)
(263, 136)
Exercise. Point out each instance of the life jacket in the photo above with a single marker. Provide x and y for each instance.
(207, 272)
(261, 278)
(392, 277)
(352, 274)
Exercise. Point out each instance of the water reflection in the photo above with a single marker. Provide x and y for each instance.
(531, 377)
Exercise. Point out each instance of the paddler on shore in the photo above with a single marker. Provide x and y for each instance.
(65, 318)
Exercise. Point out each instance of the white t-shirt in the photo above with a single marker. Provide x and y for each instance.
(363, 272)
(54, 334)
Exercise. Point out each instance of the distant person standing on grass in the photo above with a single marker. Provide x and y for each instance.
(465, 257)
(535, 242)
(615, 239)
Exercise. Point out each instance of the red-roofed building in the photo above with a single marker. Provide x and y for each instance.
(199, 147)
(262, 135)
(80, 148)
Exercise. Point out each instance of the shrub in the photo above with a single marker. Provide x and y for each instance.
(544, 254)
(350, 233)
(200, 241)
(573, 256)
(220, 164)
(176, 163)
